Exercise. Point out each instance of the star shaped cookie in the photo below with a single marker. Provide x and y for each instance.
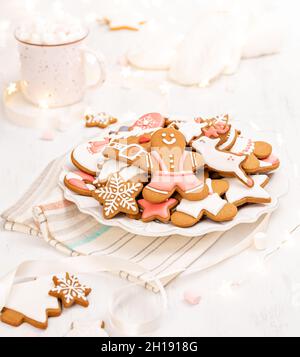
(159, 211)
(70, 291)
(239, 194)
(118, 196)
(100, 120)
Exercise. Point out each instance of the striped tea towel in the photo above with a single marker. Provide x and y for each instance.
(43, 212)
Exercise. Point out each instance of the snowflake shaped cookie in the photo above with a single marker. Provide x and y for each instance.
(100, 120)
(69, 290)
(118, 196)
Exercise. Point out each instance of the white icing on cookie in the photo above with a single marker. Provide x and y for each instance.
(229, 140)
(130, 172)
(213, 204)
(220, 160)
(243, 146)
(265, 164)
(72, 175)
(32, 300)
(169, 142)
(88, 155)
(237, 191)
(191, 130)
(109, 168)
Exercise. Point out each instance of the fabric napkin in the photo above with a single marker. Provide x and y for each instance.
(44, 212)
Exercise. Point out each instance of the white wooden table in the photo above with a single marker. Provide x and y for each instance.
(265, 92)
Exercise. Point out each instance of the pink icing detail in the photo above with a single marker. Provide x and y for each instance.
(165, 180)
(96, 146)
(272, 159)
(156, 209)
(216, 128)
(222, 128)
(80, 183)
(211, 132)
(86, 177)
(150, 121)
(250, 182)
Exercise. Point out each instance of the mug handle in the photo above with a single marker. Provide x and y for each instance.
(101, 64)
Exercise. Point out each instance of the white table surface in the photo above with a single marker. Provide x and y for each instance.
(264, 91)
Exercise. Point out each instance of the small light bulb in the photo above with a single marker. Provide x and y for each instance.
(12, 88)
(43, 104)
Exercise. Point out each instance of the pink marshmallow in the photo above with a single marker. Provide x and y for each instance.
(192, 297)
(48, 135)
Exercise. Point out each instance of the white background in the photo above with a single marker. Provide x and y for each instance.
(264, 91)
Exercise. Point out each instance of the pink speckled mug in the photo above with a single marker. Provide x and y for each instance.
(55, 75)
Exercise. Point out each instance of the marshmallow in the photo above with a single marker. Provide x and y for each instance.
(192, 297)
(51, 32)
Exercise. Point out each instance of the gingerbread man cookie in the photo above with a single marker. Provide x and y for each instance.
(30, 303)
(70, 291)
(101, 120)
(172, 168)
(213, 206)
(118, 196)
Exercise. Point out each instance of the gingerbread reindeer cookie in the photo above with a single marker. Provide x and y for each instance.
(225, 163)
(213, 206)
(172, 168)
(231, 139)
(257, 154)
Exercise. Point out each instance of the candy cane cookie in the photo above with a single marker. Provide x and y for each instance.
(80, 183)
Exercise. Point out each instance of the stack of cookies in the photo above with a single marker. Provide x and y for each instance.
(175, 171)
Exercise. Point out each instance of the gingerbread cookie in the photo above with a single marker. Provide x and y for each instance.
(150, 121)
(129, 22)
(118, 196)
(80, 182)
(128, 173)
(224, 162)
(70, 291)
(30, 303)
(128, 149)
(188, 213)
(87, 156)
(157, 211)
(239, 195)
(231, 140)
(100, 120)
(172, 168)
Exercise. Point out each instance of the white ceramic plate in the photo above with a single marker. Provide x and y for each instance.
(277, 187)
